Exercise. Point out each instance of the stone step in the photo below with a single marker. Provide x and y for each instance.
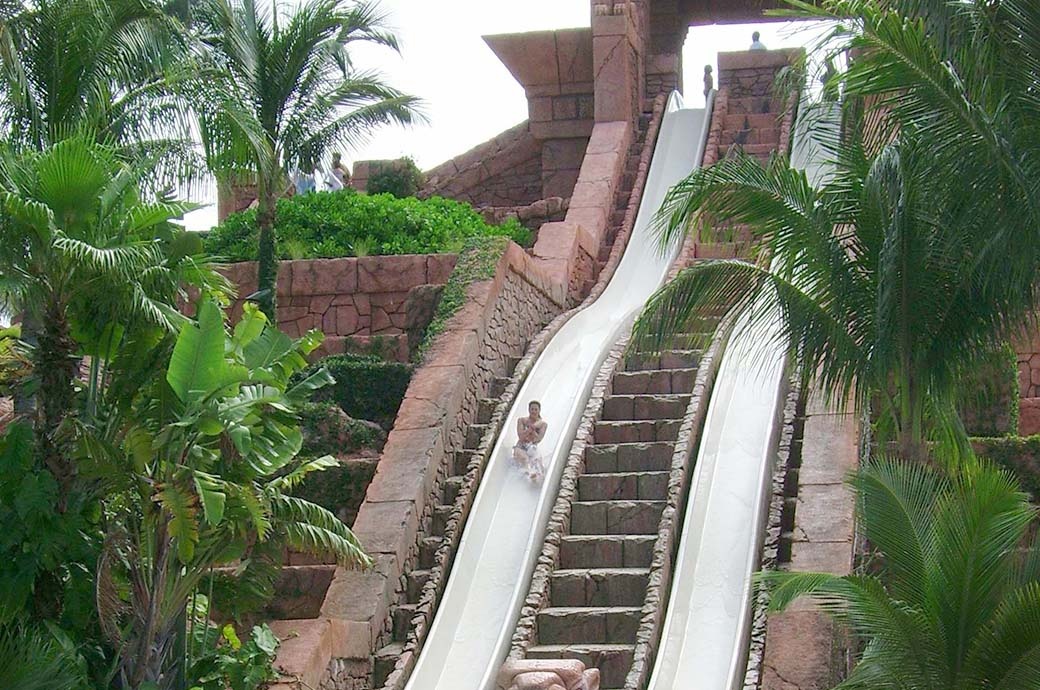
(636, 431)
(384, 661)
(403, 615)
(629, 457)
(498, 386)
(752, 105)
(603, 624)
(599, 587)
(769, 136)
(462, 458)
(511, 363)
(668, 359)
(613, 660)
(623, 486)
(735, 122)
(450, 490)
(616, 517)
(474, 434)
(662, 382)
(414, 583)
(439, 520)
(604, 254)
(486, 409)
(428, 551)
(617, 217)
(644, 407)
(607, 550)
(758, 150)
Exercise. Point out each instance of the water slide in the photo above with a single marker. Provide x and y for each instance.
(472, 629)
(707, 625)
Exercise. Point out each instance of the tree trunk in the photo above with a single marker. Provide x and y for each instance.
(267, 258)
(55, 369)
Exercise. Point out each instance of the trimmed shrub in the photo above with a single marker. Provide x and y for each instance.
(345, 223)
(339, 489)
(402, 178)
(366, 387)
(328, 430)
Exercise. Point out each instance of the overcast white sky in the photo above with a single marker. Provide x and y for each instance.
(469, 95)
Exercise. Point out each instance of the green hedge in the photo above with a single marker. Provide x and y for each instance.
(366, 387)
(328, 433)
(1020, 454)
(346, 223)
(401, 179)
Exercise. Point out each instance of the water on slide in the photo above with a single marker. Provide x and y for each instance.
(707, 625)
(471, 631)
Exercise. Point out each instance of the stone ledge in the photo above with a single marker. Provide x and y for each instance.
(757, 59)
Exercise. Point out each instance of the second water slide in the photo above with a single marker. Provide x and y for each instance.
(471, 631)
(705, 638)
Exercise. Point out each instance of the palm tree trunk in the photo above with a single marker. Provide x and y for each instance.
(267, 258)
(55, 369)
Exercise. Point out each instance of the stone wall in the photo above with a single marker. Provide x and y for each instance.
(352, 300)
(498, 316)
(505, 171)
(750, 74)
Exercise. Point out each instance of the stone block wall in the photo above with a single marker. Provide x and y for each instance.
(352, 300)
(751, 74)
(505, 171)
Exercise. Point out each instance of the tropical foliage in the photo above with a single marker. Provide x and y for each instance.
(290, 93)
(345, 223)
(918, 254)
(957, 604)
(196, 465)
(109, 70)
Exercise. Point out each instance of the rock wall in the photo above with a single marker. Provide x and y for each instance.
(352, 300)
(505, 171)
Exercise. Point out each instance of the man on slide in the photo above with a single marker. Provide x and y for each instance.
(530, 431)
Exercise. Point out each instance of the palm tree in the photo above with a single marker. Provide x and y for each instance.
(110, 68)
(875, 278)
(86, 258)
(956, 605)
(962, 76)
(291, 94)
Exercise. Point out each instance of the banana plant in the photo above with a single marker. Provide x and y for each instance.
(196, 471)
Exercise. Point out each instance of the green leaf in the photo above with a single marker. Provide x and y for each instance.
(211, 494)
(197, 367)
(250, 326)
(228, 631)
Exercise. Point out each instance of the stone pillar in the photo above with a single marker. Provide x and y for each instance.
(616, 53)
(666, 34)
(752, 74)
(555, 69)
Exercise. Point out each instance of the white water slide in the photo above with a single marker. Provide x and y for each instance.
(472, 629)
(707, 626)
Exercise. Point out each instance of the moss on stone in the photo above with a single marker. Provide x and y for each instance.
(477, 261)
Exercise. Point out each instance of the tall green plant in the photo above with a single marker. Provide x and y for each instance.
(85, 257)
(196, 465)
(294, 95)
(108, 69)
(957, 603)
(875, 277)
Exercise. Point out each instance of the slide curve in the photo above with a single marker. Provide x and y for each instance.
(474, 623)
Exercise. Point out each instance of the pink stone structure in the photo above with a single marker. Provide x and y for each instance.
(550, 674)
(351, 300)
(1028, 349)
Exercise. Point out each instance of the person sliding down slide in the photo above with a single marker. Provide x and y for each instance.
(530, 431)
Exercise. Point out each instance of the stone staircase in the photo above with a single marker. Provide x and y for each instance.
(597, 589)
(434, 549)
(753, 125)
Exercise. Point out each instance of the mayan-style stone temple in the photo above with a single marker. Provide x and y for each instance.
(481, 581)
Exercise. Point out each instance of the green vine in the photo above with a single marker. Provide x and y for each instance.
(477, 261)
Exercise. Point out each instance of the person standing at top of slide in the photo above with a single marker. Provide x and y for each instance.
(530, 431)
(756, 42)
(338, 177)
